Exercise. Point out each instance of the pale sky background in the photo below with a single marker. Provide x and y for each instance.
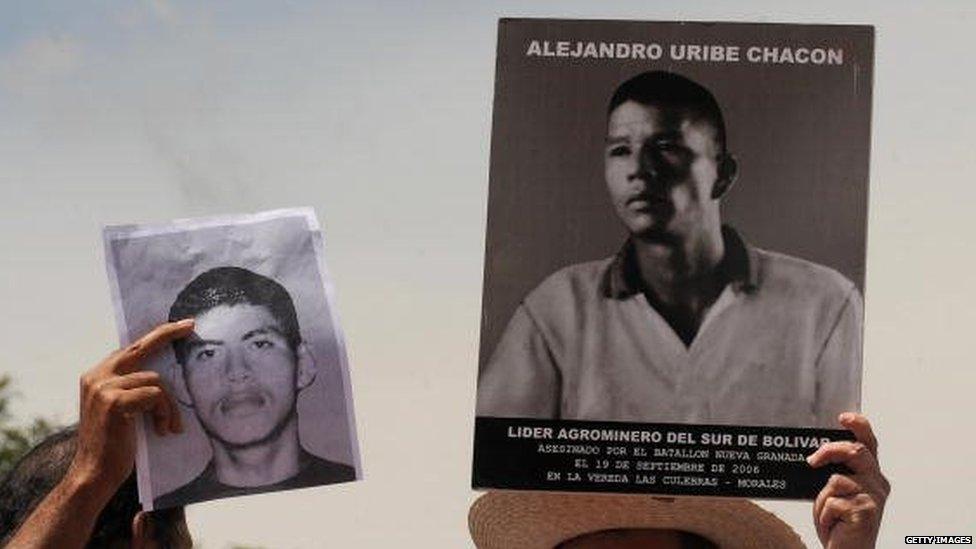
(378, 116)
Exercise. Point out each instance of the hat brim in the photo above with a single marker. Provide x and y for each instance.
(543, 520)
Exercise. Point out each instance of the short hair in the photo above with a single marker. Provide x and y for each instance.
(676, 91)
(41, 469)
(234, 286)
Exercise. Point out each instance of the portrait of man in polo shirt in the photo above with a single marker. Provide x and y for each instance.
(241, 371)
(688, 322)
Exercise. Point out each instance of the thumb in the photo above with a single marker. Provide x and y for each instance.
(142, 531)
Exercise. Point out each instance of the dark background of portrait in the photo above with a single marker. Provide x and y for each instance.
(801, 134)
(152, 269)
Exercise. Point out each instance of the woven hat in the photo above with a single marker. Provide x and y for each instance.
(542, 520)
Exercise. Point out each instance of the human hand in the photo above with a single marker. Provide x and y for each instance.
(847, 512)
(113, 394)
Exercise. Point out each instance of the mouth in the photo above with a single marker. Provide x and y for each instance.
(648, 201)
(241, 404)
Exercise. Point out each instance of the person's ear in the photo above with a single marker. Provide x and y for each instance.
(141, 531)
(182, 393)
(728, 172)
(307, 369)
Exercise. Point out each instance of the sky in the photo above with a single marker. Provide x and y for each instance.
(377, 114)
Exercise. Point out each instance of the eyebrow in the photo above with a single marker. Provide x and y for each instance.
(195, 342)
(269, 329)
(668, 134)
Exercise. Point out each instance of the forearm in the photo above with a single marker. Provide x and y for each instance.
(64, 519)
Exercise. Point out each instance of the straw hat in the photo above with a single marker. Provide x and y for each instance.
(542, 520)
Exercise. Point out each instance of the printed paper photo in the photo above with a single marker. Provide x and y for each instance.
(263, 382)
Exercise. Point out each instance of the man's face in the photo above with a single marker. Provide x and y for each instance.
(661, 166)
(240, 373)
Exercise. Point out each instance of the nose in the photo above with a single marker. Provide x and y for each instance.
(648, 165)
(237, 368)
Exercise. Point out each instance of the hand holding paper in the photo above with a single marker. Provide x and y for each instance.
(112, 394)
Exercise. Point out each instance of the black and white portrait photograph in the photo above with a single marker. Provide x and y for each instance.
(262, 383)
(676, 223)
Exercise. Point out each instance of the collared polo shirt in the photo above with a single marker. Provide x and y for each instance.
(780, 346)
